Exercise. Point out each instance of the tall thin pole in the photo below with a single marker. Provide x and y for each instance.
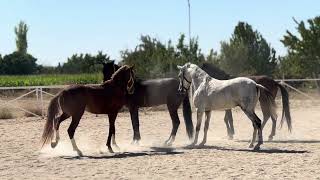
(189, 22)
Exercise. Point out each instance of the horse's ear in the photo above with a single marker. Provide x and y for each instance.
(179, 67)
(132, 67)
(112, 61)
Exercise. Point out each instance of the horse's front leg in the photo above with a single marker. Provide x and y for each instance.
(206, 127)
(199, 119)
(112, 130)
(134, 114)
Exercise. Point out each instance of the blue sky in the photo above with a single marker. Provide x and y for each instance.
(60, 28)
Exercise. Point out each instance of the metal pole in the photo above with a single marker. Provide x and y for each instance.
(41, 98)
(189, 22)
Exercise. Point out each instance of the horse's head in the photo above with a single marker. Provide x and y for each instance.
(184, 77)
(124, 76)
(108, 69)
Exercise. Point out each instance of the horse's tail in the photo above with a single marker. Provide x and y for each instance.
(53, 110)
(269, 98)
(285, 107)
(187, 115)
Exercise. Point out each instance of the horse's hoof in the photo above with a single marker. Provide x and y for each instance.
(191, 145)
(251, 145)
(230, 137)
(110, 150)
(270, 138)
(116, 146)
(79, 153)
(256, 148)
(135, 142)
(54, 144)
(202, 144)
(169, 144)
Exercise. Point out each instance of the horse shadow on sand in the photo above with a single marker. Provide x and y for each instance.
(294, 141)
(155, 151)
(263, 150)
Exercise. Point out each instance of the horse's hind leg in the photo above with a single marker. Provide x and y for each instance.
(57, 123)
(256, 122)
(273, 130)
(112, 130)
(266, 116)
(228, 120)
(206, 127)
(175, 125)
(73, 126)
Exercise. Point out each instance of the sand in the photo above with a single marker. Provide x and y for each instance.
(289, 156)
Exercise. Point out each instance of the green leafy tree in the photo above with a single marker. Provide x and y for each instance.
(151, 58)
(303, 58)
(154, 59)
(18, 63)
(1, 65)
(21, 39)
(189, 53)
(84, 63)
(247, 53)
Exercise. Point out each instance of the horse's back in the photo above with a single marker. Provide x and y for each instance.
(95, 99)
(155, 92)
(224, 94)
(267, 82)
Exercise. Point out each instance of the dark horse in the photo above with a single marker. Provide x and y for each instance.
(152, 93)
(107, 98)
(265, 81)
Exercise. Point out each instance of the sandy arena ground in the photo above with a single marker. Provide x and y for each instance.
(289, 156)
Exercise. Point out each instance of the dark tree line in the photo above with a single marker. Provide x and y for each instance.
(247, 52)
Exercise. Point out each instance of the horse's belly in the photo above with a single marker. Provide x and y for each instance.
(220, 102)
(221, 105)
(104, 107)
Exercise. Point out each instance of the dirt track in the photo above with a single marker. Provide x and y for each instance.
(295, 155)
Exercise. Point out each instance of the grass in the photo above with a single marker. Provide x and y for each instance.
(5, 113)
(50, 79)
(34, 109)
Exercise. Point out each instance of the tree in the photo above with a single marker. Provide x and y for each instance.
(84, 63)
(247, 53)
(303, 58)
(21, 39)
(18, 63)
(151, 58)
(154, 59)
(1, 65)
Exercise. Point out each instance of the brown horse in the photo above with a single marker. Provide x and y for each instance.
(265, 81)
(107, 98)
(155, 92)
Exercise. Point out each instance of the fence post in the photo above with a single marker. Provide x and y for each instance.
(37, 95)
(41, 99)
(317, 82)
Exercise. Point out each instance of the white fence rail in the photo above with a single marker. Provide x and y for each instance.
(283, 82)
(39, 92)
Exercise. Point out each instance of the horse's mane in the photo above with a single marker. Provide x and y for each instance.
(215, 72)
(115, 75)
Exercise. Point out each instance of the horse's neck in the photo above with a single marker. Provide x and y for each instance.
(198, 76)
(111, 83)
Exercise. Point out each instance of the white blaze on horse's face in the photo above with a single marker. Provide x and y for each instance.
(130, 84)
